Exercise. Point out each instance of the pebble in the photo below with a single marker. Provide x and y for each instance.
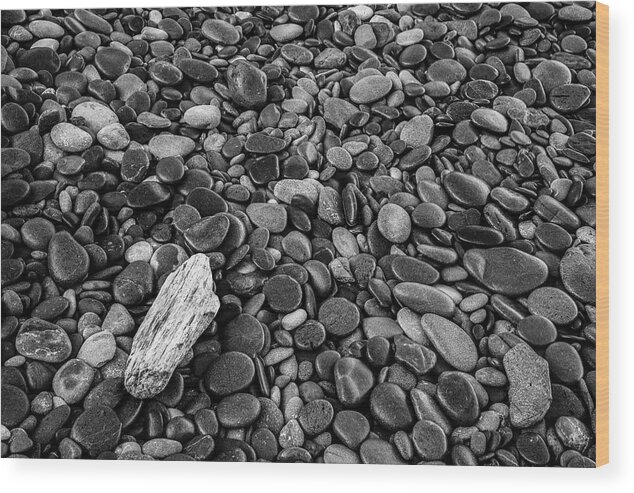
(229, 373)
(452, 343)
(418, 131)
(238, 410)
(247, 85)
(97, 430)
(98, 349)
(15, 405)
(424, 299)
(389, 406)
(353, 381)
(134, 284)
(203, 116)
(530, 392)
(70, 138)
(370, 89)
(339, 316)
(43, 341)
(506, 270)
(73, 381)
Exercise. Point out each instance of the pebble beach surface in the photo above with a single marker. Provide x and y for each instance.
(397, 203)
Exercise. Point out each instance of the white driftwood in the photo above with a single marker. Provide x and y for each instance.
(183, 309)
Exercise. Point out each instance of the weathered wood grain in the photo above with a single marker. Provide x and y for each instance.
(183, 309)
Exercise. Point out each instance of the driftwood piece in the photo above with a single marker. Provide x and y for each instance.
(183, 309)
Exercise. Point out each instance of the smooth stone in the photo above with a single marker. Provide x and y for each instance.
(410, 269)
(160, 448)
(339, 316)
(134, 284)
(530, 393)
(220, 32)
(261, 143)
(490, 120)
(51, 308)
(113, 137)
(283, 293)
(568, 98)
(424, 299)
(315, 417)
(37, 232)
(577, 270)
(553, 304)
(147, 194)
(537, 330)
(243, 334)
(429, 439)
(168, 145)
(70, 138)
(394, 223)
(564, 362)
(229, 373)
(15, 405)
(351, 427)
(452, 343)
(381, 327)
(98, 349)
(466, 189)
(505, 270)
(340, 454)
(238, 410)
(552, 73)
(68, 261)
(43, 341)
(286, 189)
(376, 451)
(446, 70)
(97, 430)
(370, 89)
(573, 433)
(337, 112)
(353, 381)
(202, 116)
(96, 115)
(73, 381)
(272, 217)
(207, 234)
(389, 406)
(247, 85)
(418, 131)
(283, 33)
(112, 62)
(457, 397)
(532, 448)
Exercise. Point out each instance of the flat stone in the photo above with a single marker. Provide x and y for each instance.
(394, 223)
(97, 430)
(506, 270)
(370, 89)
(272, 217)
(229, 373)
(339, 316)
(424, 299)
(208, 234)
(238, 410)
(376, 451)
(418, 131)
(353, 381)
(98, 349)
(15, 405)
(530, 393)
(202, 116)
(96, 115)
(286, 189)
(134, 284)
(220, 32)
(168, 145)
(70, 138)
(457, 397)
(389, 406)
(338, 112)
(73, 381)
(578, 272)
(247, 85)
(489, 119)
(112, 62)
(452, 343)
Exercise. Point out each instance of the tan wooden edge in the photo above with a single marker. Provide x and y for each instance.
(602, 228)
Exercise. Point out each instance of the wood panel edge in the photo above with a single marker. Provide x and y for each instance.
(602, 225)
